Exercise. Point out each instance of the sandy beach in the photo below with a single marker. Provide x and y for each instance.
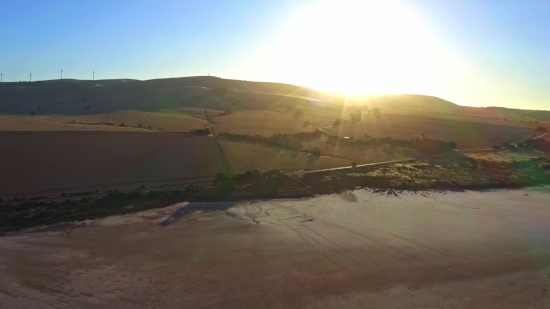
(360, 249)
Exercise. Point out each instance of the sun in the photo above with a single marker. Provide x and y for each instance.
(359, 47)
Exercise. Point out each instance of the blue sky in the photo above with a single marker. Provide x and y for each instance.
(491, 52)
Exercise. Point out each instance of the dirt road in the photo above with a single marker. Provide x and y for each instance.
(354, 250)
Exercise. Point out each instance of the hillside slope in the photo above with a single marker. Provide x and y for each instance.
(85, 97)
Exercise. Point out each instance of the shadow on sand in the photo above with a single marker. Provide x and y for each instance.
(190, 208)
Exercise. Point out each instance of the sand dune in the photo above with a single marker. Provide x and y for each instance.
(354, 250)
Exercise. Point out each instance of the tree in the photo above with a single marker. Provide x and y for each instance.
(298, 114)
(315, 151)
(356, 116)
(122, 124)
(224, 180)
(33, 113)
(354, 164)
(205, 131)
(452, 145)
(376, 111)
(139, 125)
(336, 123)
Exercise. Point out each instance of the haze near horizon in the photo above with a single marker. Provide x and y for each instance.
(470, 53)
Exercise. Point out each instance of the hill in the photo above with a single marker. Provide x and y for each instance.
(120, 133)
(84, 97)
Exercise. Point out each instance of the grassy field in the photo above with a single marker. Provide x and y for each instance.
(247, 156)
(359, 154)
(465, 134)
(263, 123)
(41, 163)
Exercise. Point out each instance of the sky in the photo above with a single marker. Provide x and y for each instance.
(471, 52)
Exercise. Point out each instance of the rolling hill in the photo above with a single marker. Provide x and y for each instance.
(85, 97)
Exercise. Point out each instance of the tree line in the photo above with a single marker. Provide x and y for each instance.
(294, 142)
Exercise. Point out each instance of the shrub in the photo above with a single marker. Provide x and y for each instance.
(205, 131)
(355, 116)
(314, 151)
(117, 195)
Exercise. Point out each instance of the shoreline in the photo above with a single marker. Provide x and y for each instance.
(389, 192)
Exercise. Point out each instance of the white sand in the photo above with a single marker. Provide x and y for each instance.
(357, 250)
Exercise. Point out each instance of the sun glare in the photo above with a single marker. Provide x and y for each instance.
(359, 47)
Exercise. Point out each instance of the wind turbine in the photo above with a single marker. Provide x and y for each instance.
(1, 77)
(30, 77)
(61, 73)
(93, 75)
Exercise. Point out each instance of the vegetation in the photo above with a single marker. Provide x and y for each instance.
(288, 141)
(356, 116)
(451, 171)
(314, 151)
(294, 142)
(205, 131)
(270, 180)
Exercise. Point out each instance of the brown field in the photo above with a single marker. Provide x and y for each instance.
(355, 250)
(53, 162)
(160, 121)
(248, 156)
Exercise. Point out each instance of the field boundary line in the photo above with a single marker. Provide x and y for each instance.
(226, 159)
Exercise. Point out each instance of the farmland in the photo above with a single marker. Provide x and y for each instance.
(54, 162)
(161, 121)
(244, 156)
(466, 134)
(465, 131)
(259, 123)
(76, 135)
